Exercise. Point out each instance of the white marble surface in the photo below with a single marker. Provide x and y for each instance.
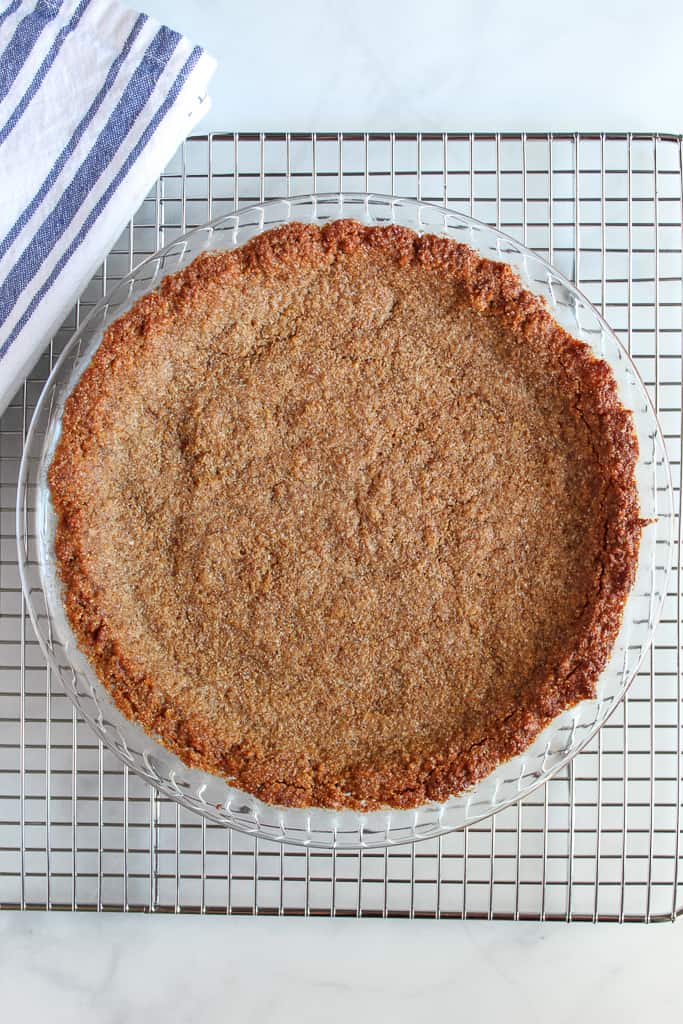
(439, 64)
(112, 969)
(383, 64)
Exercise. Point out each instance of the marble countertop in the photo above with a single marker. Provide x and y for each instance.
(330, 65)
(111, 968)
(439, 64)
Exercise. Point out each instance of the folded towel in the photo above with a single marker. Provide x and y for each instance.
(94, 101)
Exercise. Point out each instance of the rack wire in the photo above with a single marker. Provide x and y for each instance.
(602, 840)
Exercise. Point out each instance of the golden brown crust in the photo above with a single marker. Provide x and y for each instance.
(131, 387)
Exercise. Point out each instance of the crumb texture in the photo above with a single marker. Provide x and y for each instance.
(345, 516)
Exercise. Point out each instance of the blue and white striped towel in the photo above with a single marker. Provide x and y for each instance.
(94, 101)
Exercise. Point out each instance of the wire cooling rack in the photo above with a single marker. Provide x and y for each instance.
(602, 840)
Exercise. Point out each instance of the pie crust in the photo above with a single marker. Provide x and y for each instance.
(345, 516)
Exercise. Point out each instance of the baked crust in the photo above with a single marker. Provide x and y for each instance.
(345, 516)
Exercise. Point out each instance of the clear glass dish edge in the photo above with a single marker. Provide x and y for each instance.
(197, 791)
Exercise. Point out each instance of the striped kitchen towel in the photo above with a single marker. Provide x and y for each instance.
(94, 101)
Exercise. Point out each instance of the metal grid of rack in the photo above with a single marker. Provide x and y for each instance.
(603, 839)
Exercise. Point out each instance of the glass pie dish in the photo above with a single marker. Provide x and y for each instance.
(214, 797)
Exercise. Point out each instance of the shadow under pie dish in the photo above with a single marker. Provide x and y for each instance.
(345, 516)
